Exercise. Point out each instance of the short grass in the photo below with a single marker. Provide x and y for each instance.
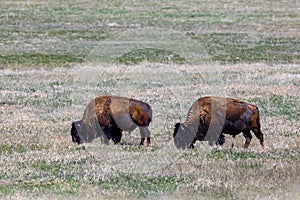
(237, 47)
(38, 158)
(36, 59)
(62, 33)
(150, 55)
(249, 50)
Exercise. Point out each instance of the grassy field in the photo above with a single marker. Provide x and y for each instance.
(56, 56)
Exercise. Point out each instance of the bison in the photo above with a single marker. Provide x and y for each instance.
(211, 117)
(107, 116)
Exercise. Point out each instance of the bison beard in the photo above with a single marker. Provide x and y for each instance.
(210, 117)
(107, 116)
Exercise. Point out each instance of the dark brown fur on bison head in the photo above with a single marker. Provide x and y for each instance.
(81, 133)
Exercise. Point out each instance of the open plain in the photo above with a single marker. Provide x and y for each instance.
(55, 56)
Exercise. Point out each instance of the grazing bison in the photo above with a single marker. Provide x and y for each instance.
(107, 116)
(210, 117)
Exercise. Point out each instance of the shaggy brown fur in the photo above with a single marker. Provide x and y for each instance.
(210, 117)
(107, 116)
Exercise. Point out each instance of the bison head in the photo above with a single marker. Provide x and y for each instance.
(183, 138)
(75, 130)
(81, 133)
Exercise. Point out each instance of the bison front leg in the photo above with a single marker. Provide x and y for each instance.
(221, 140)
(116, 135)
(192, 145)
(107, 136)
(145, 133)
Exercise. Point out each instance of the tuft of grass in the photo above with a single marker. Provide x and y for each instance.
(50, 167)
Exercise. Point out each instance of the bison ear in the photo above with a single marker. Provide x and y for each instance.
(73, 127)
(177, 126)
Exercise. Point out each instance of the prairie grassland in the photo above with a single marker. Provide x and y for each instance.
(55, 56)
(39, 159)
(62, 33)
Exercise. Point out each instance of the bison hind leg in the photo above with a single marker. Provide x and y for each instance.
(259, 135)
(248, 138)
(145, 133)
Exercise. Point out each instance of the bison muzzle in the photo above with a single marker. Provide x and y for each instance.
(105, 117)
(210, 117)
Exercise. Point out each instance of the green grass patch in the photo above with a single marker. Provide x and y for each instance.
(151, 55)
(53, 167)
(137, 148)
(55, 186)
(234, 48)
(231, 154)
(141, 186)
(74, 29)
(9, 149)
(58, 177)
(279, 106)
(284, 106)
(234, 155)
(194, 15)
(4, 148)
(114, 12)
(223, 193)
(37, 59)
